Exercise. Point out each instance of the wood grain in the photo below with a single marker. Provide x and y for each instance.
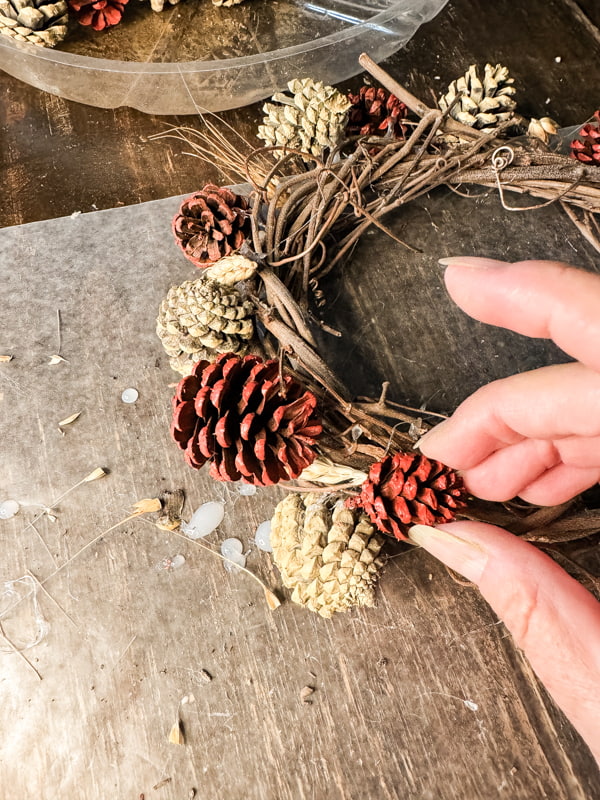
(424, 696)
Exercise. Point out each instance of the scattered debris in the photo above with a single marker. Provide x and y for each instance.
(558, 59)
(162, 783)
(69, 420)
(130, 395)
(171, 563)
(172, 504)
(5, 359)
(471, 705)
(8, 509)
(176, 735)
(205, 676)
(76, 214)
(305, 694)
(262, 537)
(205, 520)
(56, 359)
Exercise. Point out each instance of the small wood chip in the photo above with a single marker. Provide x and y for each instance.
(56, 359)
(172, 503)
(69, 420)
(176, 735)
(162, 783)
(305, 693)
(5, 359)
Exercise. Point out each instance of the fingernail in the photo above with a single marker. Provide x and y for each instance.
(430, 436)
(472, 262)
(467, 558)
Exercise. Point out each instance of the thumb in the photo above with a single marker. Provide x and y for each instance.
(551, 617)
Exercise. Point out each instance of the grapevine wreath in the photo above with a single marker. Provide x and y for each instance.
(257, 402)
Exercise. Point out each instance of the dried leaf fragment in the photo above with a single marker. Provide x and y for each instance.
(69, 420)
(176, 735)
(56, 359)
(147, 506)
(6, 359)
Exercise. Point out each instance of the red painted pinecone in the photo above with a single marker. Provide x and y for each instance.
(100, 14)
(251, 424)
(210, 224)
(375, 112)
(407, 489)
(586, 147)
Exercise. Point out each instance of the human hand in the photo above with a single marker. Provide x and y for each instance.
(536, 435)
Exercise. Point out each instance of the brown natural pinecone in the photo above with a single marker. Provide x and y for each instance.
(249, 421)
(200, 319)
(586, 147)
(35, 21)
(375, 112)
(407, 489)
(210, 224)
(484, 103)
(326, 553)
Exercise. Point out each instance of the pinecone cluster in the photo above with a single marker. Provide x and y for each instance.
(406, 489)
(34, 21)
(326, 553)
(252, 423)
(210, 224)
(100, 14)
(201, 319)
(586, 147)
(312, 118)
(376, 112)
(484, 102)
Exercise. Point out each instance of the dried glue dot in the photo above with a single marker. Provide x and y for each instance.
(238, 559)
(130, 395)
(8, 509)
(262, 537)
(247, 490)
(231, 548)
(205, 520)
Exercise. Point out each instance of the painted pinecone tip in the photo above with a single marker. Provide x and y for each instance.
(586, 147)
(99, 14)
(326, 553)
(376, 112)
(247, 419)
(210, 224)
(408, 489)
(483, 102)
(200, 319)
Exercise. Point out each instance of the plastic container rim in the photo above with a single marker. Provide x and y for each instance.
(170, 67)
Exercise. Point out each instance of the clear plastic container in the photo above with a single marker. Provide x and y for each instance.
(192, 58)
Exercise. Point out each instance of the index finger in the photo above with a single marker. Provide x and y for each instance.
(542, 299)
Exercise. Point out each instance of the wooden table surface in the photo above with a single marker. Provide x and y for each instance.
(424, 696)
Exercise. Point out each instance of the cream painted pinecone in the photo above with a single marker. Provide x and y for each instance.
(326, 553)
(484, 104)
(35, 21)
(312, 119)
(201, 319)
